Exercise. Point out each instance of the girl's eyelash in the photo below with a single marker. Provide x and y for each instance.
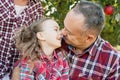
(56, 29)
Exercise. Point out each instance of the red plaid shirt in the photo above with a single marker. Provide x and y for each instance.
(9, 21)
(55, 69)
(99, 62)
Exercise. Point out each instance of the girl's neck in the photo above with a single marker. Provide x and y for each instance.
(48, 50)
(21, 2)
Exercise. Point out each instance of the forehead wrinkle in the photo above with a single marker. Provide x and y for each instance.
(66, 27)
(71, 19)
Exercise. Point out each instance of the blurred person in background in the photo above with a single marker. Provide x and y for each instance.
(13, 14)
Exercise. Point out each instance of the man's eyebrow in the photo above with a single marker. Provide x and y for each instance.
(67, 30)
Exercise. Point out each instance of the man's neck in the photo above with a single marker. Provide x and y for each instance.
(83, 49)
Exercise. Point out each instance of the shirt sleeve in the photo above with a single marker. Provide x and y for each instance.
(25, 73)
(3, 70)
(4, 56)
(115, 72)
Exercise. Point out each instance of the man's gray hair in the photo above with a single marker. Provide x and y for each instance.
(93, 13)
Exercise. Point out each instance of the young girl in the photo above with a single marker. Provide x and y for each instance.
(41, 57)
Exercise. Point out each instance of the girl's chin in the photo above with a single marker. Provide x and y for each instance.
(58, 46)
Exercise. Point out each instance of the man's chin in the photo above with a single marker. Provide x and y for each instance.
(67, 41)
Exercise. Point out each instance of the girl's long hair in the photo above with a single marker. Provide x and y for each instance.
(26, 40)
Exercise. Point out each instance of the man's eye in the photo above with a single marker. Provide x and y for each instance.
(67, 32)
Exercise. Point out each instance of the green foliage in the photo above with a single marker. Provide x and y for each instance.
(58, 9)
(111, 31)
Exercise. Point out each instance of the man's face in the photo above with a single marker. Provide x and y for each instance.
(74, 30)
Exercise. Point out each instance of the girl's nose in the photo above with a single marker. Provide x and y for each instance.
(60, 35)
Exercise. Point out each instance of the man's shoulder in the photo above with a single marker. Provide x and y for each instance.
(109, 49)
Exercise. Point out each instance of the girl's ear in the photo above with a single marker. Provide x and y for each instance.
(40, 36)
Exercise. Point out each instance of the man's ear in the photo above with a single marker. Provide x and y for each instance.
(40, 36)
(90, 38)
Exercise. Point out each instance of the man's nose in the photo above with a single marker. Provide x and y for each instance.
(63, 32)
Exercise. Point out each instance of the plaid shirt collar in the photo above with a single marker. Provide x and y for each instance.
(54, 56)
(90, 49)
(93, 49)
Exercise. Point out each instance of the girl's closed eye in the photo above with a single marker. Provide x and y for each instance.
(56, 29)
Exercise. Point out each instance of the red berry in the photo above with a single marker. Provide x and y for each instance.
(109, 10)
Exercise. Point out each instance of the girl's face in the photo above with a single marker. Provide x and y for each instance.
(50, 33)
